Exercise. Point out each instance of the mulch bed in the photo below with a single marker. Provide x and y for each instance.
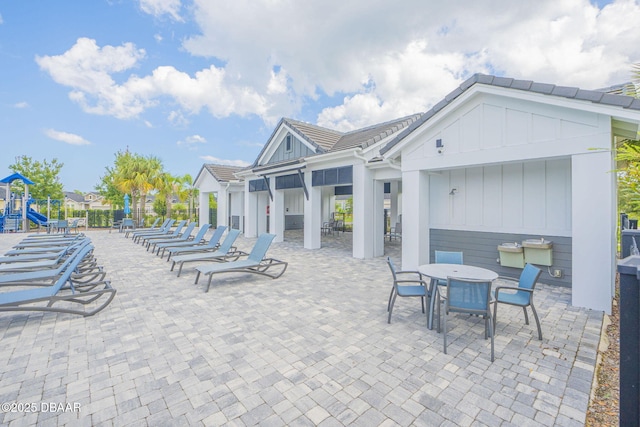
(604, 405)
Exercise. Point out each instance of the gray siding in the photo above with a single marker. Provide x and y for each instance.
(293, 222)
(298, 150)
(481, 249)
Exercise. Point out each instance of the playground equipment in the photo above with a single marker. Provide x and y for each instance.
(18, 210)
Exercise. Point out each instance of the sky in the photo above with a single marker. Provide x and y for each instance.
(207, 81)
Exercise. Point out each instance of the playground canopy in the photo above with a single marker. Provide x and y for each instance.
(16, 176)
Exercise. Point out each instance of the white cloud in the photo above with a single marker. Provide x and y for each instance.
(375, 60)
(22, 104)
(159, 8)
(66, 137)
(192, 141)
(212, 159)
(1, 20)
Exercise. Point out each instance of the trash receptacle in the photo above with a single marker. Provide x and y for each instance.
(629, 271)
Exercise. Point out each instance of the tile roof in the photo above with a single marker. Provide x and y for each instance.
(320, 137)
(222, 173)
(594, 96)
(368, 136)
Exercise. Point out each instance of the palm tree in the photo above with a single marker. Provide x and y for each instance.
(190, 193)
(167, 185)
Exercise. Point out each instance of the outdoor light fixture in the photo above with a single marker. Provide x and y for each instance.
(453, 191)
(439, 145)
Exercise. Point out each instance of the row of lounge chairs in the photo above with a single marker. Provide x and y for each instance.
(213, 256)
(54, 273)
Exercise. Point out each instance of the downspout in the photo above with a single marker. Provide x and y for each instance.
(359, 156)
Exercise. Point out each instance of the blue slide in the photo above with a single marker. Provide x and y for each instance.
(36, 217)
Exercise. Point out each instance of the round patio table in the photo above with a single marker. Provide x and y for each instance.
(442, 271)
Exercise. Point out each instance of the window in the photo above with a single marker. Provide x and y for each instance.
(288, 143)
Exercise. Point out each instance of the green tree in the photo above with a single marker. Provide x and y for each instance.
(44, 175)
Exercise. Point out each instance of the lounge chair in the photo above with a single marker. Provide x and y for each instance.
(180, 237)
(163, 234)
(154, 226)
(255, 263)
(25, 263)
(223, 253)
(198, 240)
(211, 246)
(166, 226)
(34, 298)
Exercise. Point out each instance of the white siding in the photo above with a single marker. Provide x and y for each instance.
(530, 197)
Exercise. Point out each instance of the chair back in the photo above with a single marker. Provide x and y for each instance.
(155, 223)
(187, 231)
(261, 247)
(392, 267)
(217, 235)
(179, 227)
(168, 224)
(449, 257)
(232, 235)
(70, 266)
(201, 232)
(468, 296)
(528, 279)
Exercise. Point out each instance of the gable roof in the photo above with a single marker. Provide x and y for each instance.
(221, 173)
(78, 198)
(368, 136)
(593, 96)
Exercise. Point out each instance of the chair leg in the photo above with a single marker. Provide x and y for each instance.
(491, 332)
(393, 288)
(535, 315)
(526, 316)
(393, 300)
(444, 328)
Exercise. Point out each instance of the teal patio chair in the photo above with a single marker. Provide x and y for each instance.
(224, 252)
(255, 263)
(178, 237)
(410, 287)
(520, 295)
(197, 240)
(468, 296)
(212, 245)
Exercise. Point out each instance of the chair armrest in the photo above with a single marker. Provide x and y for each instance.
(410, 272)
(511, 288)
(425, 284)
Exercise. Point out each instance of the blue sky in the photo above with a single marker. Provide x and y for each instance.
(206, 81)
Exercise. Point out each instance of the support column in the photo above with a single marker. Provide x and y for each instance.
(363, 223)
(276, 215)
(393, 210)
(593, 230)
(312, 215)
(377, 214)
(222, 200)
(250, 212)
(415, 219)
(203, 209)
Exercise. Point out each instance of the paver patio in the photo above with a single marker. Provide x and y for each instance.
(310, 348)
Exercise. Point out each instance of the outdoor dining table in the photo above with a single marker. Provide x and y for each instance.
(442, 271)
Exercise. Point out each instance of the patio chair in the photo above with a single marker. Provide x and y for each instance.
(468, 296)
(63, 291)
(225, 251)
(154, 226)
(73, 226)
(255, 263)
(395, 232)
(180, 237)
(127, 224)
(197, 240)
(401, 287)
(448, 257)
(520, 295)
(28, 263)
(166, 227)
(211, 246)
(163, 234)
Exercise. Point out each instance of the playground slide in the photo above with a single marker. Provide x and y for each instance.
(36, 217)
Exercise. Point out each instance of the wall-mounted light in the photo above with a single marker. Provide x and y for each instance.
(453, 191)
(439, 145)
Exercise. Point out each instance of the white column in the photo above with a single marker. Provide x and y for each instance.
(223, 211)
(363, 242)
(250, 211)
(312, 215)
(276, 215)
(377, 214)
(415, 219)
(593, 229)
(203, 208)
(393, 210)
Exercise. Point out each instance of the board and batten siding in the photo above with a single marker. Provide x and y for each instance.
(298, 150)
(523, 198)
(481, 249)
